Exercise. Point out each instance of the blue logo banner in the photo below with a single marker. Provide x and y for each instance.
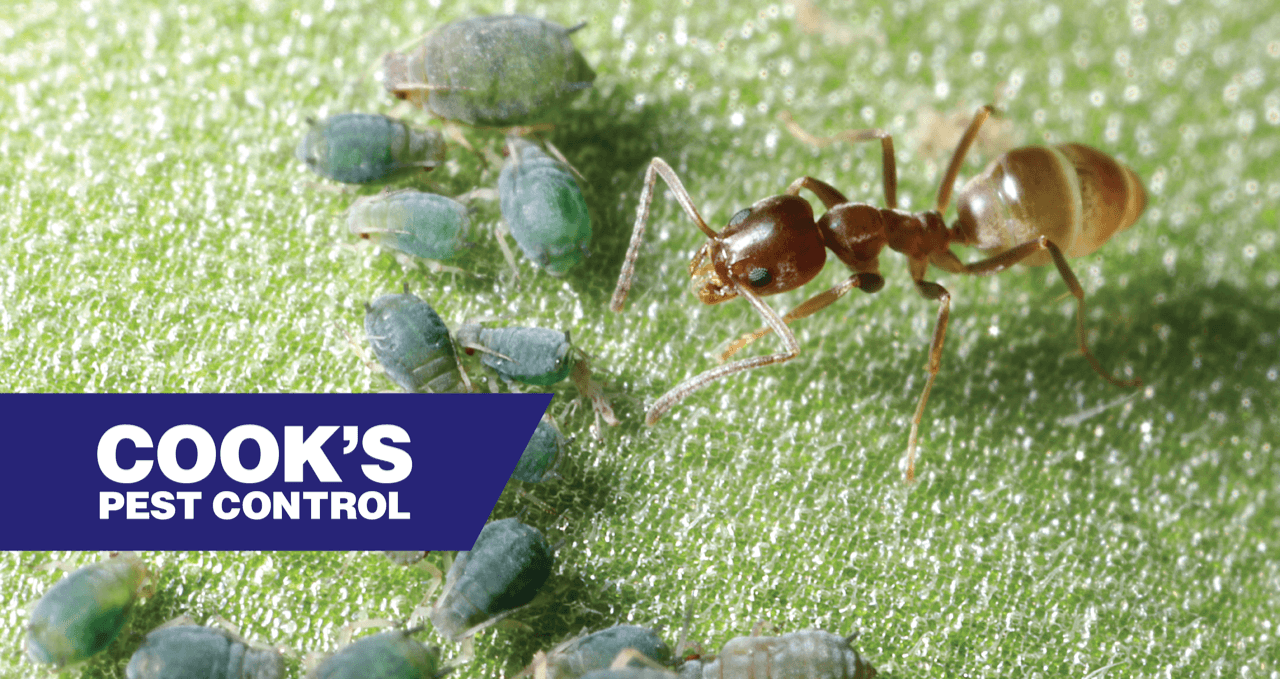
(257, 471)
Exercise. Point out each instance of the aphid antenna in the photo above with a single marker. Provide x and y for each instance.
(576, 27)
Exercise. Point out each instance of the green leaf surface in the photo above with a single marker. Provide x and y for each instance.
(160, 236)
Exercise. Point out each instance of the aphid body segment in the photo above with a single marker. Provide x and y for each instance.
(1033, 205)
(82, 613)
(416, 223)
(503, 571)
(807, 654)
(544, 207)
(357, 148)
(537, 356)
(539, 459)
(412, 343)
(195, 652)
(389, 655)
(598, 650)
(501, 70)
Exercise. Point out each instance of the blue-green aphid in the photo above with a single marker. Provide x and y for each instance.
(389, 655)
(503, 571)
(412, 343)
(82, 613)
(809, 653)
(498, 70)
(357, 148)
(540, 457)
(543, 207)
(537, 356)
(599, 650)
(195, 652)
(413, 222)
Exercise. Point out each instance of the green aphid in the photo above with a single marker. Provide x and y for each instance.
(413, 222)
(498, 71)
(389, 655)
(83, 612)
(544, 207)
(412, 343)
(195, 652)
(503, 571)
(537, 356)
(358, 148)
(539, 459)
(598, 651)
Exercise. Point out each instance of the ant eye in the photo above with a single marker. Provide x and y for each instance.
(759, 277)
(739, 216)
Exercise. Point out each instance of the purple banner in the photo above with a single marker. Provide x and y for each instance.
(257, 471)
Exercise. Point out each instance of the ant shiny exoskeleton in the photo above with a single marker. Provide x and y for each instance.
(1032, 205)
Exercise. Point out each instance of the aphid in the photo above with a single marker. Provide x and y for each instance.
(195, 652)
(543, 207)
(357, 148)
(389, 655)
(499, 70)
(502, 572)
(413, 344)
(807, 654)
(537, 356)
(598, 650)
(539, 459)
(1033, 205)
(412, 222)
(82, 613)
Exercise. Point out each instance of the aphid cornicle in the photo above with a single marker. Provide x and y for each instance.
(196, 652)
(501, 70)
(503, 571)
(537, 356)
(82, 613)
(389, 655)
(412, 343)
(543, 207)
(358, 148)
(807, 654)
(598, 650)
(1032, 205)
(413, 222)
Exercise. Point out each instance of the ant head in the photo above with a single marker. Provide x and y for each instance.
(771, 247)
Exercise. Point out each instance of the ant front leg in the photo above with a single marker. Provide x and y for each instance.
(867, 282)
(699, 381)
(657, 167)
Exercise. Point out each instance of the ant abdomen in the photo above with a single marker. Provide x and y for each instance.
(1077, 196)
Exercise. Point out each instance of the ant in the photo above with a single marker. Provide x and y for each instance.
(1033, 205)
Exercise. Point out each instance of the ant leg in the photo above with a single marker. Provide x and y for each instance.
(928, 290)
(664, 403)
(657, 167)
(890, 170)
(829, 196)
(1004, 260)
(957, 158)
(868, 282)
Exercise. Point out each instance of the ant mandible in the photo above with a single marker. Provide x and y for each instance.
(1032, 205)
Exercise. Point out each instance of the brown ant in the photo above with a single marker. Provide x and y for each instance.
(1032, 205)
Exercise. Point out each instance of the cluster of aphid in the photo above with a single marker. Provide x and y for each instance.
(84, 612)
(492, 71)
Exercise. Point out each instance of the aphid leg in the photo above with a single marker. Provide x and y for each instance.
(348, 630)
(868, 282)
(889, 171)
(957, 158)
(1010, 257)
(594, 391)
(657, 167)
(928, 290)
(501, 234)
(699, 381)
(627, 655)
